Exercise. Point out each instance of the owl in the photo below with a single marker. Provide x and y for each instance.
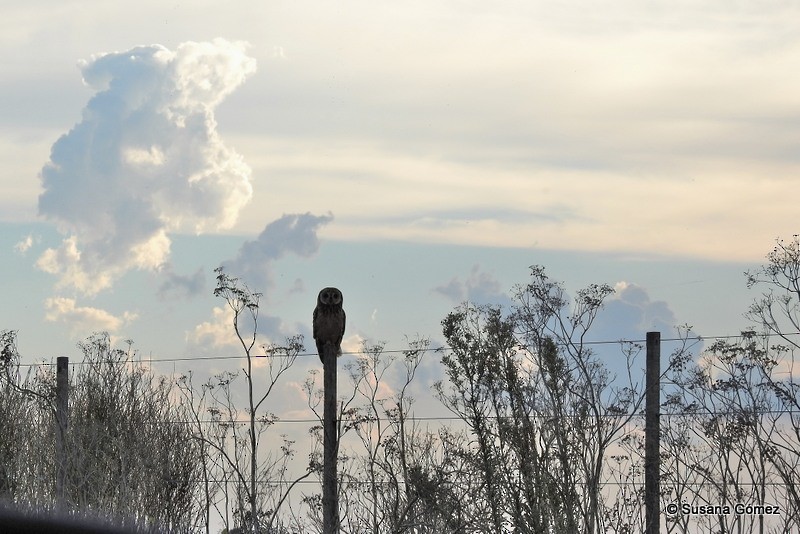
(328, 323)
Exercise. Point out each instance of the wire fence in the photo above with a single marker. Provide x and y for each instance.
(312, 482)
(453, 418)
(415, 418)
(441, 348)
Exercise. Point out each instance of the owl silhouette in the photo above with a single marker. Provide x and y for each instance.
(329, 320)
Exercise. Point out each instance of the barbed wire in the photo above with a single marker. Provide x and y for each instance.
(275, 354)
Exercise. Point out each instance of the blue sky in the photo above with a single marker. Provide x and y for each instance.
(411, 154)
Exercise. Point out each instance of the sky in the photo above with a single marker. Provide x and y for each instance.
(421, 153)
(413, 154)
(416, 155)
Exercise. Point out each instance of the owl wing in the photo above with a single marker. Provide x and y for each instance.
(315, 323)
(315, 331)
(341, 334)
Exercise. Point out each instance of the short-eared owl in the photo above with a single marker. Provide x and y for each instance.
(329, 318)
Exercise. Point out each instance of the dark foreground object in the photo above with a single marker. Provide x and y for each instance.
(17, 522)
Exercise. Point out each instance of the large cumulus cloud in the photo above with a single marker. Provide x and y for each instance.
(144, 161)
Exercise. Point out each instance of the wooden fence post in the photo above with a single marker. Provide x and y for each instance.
(652, 430)
(330, 493)
(61, 425)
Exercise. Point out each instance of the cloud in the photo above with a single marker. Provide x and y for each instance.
(176, 285)
(479, 288)
(299, 286)
(144, 161)
(630, 313)
(25, 244)
(65, 262)
(292, 233)
(84, 319)
(216, 333)
(295, 233)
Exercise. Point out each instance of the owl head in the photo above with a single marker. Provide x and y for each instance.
(330, 296)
